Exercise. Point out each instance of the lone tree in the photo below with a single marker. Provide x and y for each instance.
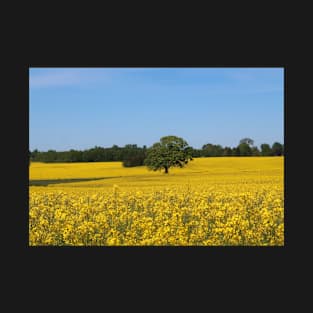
(171, 151)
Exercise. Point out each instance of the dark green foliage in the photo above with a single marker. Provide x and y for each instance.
(255, 151)
(247, 141)
(96, 154)
(171, 151)
(236, 151)
(132, 155)
(210, 150)
(277, 149)
(196, 153)
(266, 149)
(227, 151)
(135, 160)
(244, 149)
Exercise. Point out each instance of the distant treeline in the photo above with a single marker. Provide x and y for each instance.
(132, 155)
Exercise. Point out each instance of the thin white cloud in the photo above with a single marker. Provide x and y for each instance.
(66, 77)
(54, 78)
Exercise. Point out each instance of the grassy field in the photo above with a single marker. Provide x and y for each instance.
(212, 201)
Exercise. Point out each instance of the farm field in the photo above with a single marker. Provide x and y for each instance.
(221, 201)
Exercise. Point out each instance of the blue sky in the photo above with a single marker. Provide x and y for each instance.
(79, 108)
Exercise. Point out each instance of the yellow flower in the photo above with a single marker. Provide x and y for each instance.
(212, 201)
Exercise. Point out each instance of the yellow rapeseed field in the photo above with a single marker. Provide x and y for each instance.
(211, 202)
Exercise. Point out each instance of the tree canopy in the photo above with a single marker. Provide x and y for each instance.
(247, 141)
(133, 155)
(277, 149)
(171, 151)
(266, 149)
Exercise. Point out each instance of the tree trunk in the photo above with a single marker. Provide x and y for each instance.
(166, 170)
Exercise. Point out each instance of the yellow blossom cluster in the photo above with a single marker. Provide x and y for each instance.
(213, 202)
